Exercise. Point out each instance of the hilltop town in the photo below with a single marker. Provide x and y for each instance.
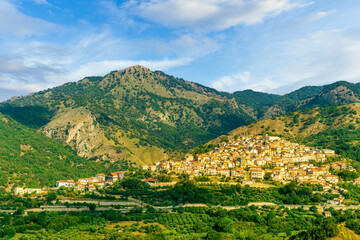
(245, 159)
(261, 157)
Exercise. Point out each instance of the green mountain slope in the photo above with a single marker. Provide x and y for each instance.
(32, 159)
(131, 114)
(254, 102)
(335, 127)
(338, 93)
(145, 116)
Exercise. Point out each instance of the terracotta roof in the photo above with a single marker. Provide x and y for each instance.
(331, 176)
(150, 180)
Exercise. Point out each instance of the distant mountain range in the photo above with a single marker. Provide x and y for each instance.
(147, 116)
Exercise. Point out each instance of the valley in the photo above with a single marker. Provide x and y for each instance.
(139, 154)
(179, 120)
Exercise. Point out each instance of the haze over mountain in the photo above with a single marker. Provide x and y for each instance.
(147, 116)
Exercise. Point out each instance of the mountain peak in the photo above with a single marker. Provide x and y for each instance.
(136, 68)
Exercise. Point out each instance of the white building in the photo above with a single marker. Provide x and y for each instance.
(65, 183)
(22, 191)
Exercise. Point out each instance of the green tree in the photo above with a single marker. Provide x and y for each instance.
(268, 176)
(224, 225)
(9, 231)
(134, 183)
(348, 175)
(213, 235)
(92, 207)
(163, 178)
(184, 176)
(51, 196)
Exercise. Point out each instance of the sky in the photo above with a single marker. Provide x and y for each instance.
(273, 46)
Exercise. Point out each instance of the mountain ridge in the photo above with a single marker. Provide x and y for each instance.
(147, 116)
(134, 108)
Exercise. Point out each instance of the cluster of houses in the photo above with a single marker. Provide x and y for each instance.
(253, 158)
(22, 191)
(249, 158)
(90, 184)
(83, 184)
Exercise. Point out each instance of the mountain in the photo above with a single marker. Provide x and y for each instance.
(130, 114)
(253, 102)
(146, 116)
(335, 127)
(338, 93)
(32, 159)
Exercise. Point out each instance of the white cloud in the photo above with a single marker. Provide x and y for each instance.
(13, 22)
(41, 2)
(210, 14)
(100, 68)
(242, 81)
(39, 65)
(23, 88)
(321, 58)
(229, 83)
(183, 46)
(319, 15)
(30, 76)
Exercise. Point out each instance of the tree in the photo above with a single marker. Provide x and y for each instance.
(134, 183)
(51, 196)
(224, 225)
(202, 179)
(329, 227)
(353, 225)
(213, 235)
(325, 230)
(19, 211)
(184, 176)
(348, 175)
(200, 227)
(92, 207)
(313, 209)
(268, 176)
(150, 209)
(9, 231)
(187, 191)
(163, 178)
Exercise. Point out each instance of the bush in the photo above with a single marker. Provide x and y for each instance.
(9, 231)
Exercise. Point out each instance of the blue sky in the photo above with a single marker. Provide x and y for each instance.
(273, 46)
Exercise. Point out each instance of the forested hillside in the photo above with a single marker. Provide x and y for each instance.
(30, 158)
(137, 114)
(338, 93)
(147, 116)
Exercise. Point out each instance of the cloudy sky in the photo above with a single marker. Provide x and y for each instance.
(267, 45)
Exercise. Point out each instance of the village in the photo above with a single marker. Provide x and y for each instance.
(253, 159)
(248, 159)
